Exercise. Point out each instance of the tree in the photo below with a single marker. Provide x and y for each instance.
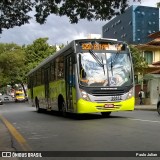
(158, 4)
(12, 66)
(17, 61)
(15, 12)
(37, 52)
(139, 62)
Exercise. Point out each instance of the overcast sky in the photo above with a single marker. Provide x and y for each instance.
(57, 29)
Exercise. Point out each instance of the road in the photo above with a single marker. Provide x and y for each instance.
(122, 131)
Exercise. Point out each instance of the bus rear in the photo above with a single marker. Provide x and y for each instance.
(105, 81)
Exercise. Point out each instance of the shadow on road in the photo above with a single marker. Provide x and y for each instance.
(79, 116)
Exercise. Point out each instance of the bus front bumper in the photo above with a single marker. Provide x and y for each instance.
(84, 106)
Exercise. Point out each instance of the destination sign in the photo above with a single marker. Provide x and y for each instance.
(101, 46)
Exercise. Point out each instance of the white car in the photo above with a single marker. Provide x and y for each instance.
(1, 102)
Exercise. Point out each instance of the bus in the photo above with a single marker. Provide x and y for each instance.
(86, 76)
(19, 96)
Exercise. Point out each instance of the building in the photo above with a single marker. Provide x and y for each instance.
(151, 52)
(134, 25)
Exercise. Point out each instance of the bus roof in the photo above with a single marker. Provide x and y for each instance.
(67, 47)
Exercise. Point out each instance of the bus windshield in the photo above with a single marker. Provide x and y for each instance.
(105, 69)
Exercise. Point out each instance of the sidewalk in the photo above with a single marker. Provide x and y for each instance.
(6, 142)
(152, 107)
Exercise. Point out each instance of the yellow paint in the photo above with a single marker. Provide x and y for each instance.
(19, 96)
(84, 106)
(20, 139)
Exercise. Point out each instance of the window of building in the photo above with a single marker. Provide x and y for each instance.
(143, 13)
(122, 28)
(107, 29)
(148, 55)
(130, 23)
(119, 21)
(149, 22)
(115, 32)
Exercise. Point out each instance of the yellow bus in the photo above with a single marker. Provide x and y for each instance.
(19, 96)
(86, 76)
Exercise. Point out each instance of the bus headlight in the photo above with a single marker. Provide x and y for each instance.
(85, 95)
(130, 93)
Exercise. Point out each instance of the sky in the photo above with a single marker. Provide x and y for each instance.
(57, 29)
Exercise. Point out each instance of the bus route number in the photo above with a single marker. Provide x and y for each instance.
(87, 46)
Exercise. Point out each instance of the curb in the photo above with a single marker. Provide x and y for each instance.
(146, 109)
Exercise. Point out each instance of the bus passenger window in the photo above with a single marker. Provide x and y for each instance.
(52, 71)
(60, 67)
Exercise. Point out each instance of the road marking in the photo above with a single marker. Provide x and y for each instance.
(20, 139)
(143, 120)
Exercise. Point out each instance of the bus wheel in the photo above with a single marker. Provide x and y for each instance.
(105, 114)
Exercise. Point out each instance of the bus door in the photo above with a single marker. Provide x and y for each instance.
(46, 85)
(69, 82)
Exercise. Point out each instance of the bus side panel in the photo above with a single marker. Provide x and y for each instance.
(57, 88)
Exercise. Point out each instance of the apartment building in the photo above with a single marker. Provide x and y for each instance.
(134, 25)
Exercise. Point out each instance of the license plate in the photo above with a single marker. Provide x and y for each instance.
(109, 106)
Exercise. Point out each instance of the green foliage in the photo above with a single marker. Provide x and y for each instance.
(36, 52)
(158, 4)
(15, 12)
(12, 59)
(139, 62)
(17, 61)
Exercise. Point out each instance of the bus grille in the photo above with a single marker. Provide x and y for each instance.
(107, 92)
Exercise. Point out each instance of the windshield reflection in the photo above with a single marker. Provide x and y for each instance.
(104, 69)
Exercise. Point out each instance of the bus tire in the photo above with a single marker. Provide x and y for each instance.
(37, 105)
(105, 114)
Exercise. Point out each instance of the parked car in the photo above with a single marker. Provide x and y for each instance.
(1, 102)
(6, 98)
(158, 106)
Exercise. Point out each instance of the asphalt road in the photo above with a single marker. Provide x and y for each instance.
(122, 131)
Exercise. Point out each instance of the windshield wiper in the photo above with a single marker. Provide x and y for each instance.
(113, 62)
(98, 60)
